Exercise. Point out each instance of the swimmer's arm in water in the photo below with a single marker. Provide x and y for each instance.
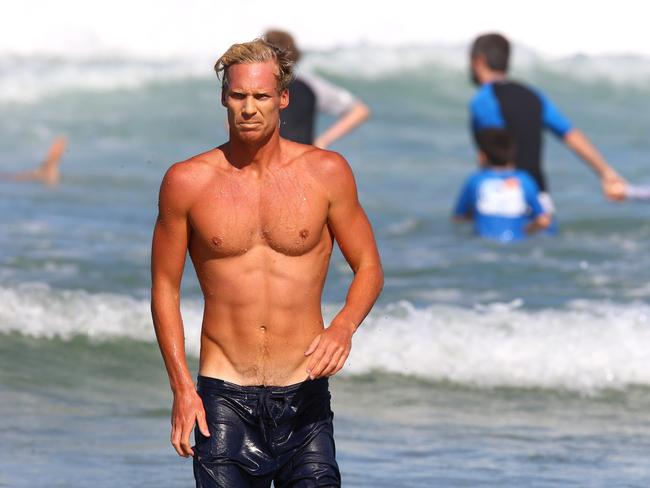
(349, 121)
(464, 208)
(613, 185)
(169, 248)
(353, 233)
(539, 223)
(48, 172)
(540, 219)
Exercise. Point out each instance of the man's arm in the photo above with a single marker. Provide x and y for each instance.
(350, 120)
(612, 183)
(337, 101)
(169, 248)
(353, 233)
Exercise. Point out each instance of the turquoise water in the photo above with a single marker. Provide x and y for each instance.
(482, 365)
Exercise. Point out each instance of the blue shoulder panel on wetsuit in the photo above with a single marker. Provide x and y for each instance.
(553, 119)
(485, 110)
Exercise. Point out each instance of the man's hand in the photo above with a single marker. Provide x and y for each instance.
(613, 186)
(330, 349)
(186, 412)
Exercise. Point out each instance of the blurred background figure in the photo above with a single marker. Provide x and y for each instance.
(502, 201)
(48, 172)
(310, 94)
(637, 192)
(525, 112)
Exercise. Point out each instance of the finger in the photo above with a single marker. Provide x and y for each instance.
(340, 364)
(316, 356)
(334, 360)
(324, 361)
(185, 440)
(203, 424)
(313, 345)
(176, 440)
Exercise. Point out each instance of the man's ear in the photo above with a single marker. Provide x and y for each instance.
(284, 99)
(482, 159)
(223, 96)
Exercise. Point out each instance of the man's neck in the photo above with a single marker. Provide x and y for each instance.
(242, 154)
(490, 76)
(504, 168)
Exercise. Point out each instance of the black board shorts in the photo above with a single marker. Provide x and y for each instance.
(264, 434)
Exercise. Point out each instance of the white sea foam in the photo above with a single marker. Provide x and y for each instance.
(29, 78)
(585, 347)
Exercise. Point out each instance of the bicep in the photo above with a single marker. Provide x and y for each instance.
(170, 237)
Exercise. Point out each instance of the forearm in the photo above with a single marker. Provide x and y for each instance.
(363, 293)
(581, 145)
(168, 324)
(348, 122)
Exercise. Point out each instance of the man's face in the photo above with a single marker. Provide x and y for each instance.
(253, 101)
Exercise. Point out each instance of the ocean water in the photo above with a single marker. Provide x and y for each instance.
(481, 365)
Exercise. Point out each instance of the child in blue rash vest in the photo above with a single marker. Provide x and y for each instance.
(502, 201)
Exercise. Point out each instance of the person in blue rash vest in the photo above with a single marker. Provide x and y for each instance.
(525, 111)
(502, 201)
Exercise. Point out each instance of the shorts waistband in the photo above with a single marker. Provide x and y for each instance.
(209, 383)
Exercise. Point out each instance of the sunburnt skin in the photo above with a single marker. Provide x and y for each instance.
(254, 233)
(258, 216)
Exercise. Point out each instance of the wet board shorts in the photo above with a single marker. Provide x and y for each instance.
(262, 434)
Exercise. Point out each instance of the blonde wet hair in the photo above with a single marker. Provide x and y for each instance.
(256, 51)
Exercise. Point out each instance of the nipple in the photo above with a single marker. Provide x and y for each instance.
(216, 241)
(304, 234)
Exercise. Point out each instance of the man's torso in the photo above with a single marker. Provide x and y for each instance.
(260, 245)
(513, 106)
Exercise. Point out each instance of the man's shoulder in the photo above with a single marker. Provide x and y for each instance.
(188, 176)
(321, 161)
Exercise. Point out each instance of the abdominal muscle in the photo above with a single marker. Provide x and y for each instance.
(258, 321)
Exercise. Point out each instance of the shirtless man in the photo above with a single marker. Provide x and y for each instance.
(259, 215)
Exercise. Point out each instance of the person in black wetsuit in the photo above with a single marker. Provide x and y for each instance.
(309, 94)
(525, 111)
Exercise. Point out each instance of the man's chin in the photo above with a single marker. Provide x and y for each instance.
(252, 136)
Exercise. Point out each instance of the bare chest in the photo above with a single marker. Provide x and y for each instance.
(284, 214)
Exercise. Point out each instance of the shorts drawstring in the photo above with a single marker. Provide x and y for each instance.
(265, 409)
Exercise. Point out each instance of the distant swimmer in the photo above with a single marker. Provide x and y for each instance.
(309, 94)
(525, 112)
(259, 216)
(48, 172)
(502, 201)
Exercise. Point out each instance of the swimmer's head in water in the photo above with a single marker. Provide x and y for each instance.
(257, 51)
(497, 146)
(494, 49)
(285, 41)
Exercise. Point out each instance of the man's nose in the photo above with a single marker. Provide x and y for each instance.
(249, 106)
